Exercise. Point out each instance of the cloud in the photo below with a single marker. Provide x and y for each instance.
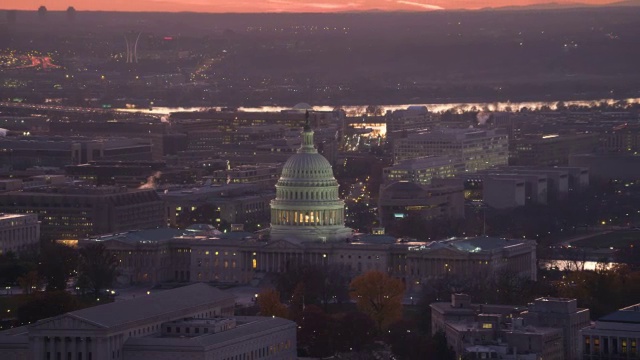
(298, 5)
(424, 6)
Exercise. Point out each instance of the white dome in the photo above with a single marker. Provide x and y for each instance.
(303, 106)
(312, 166)
(307, 206)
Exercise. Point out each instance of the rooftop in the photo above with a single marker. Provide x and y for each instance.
(5, 216)
(422, 162)
(145, 307)
(141, 236)
(247, 327)
(472, 245)
(629, 315)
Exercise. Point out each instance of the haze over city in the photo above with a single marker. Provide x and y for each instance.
(353, 180)
(255, 6)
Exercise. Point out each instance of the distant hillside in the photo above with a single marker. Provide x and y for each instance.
(626, 3)
(571, 5)
(543, 6)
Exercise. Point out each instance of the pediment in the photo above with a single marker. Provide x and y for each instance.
(282, 244)
(66, 322)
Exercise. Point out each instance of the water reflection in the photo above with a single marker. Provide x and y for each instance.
(570, 265)
(359, 109)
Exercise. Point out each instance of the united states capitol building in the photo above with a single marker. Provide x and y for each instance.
(307, 227)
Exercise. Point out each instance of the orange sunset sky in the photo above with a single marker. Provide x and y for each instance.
(271, 5)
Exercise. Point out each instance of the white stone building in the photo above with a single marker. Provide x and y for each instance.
(154, 327)
(614, 336)
(18, 232)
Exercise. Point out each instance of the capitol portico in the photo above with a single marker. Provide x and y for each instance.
(307, 206)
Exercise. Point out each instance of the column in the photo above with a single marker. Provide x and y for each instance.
(63, 346)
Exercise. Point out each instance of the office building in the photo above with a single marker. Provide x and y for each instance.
(422, 170)
(550, 150)
(262, 176)
(232, 203)
(560, 313)
(402, 199)
(545, 328)
(606, 167)
(477, 149)
(24, 152)
(74, 212)
(18, 232)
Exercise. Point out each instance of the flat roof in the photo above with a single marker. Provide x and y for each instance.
(5, 216)
(135, 236)
(629, 315)
(149, 306)
(246, 327)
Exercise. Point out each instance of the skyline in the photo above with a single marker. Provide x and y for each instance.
(277, 6)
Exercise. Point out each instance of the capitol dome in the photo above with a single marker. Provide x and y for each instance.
(307, 206)
(302, 107)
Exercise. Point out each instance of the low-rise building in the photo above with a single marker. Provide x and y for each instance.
(545, 328)
(402, 199)
(231, 203)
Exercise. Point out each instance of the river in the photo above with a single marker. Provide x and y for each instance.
(490, 106)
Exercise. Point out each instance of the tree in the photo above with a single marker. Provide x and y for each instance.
(374, 110)
(57, 263)
(42, 12)
(270, 305)
(97, 269)
(12, 16)
(441, 349)
(71, 13)
(316, 333)
(379, 296)
(30, 282)
(320, 284)
(46, 304)
(354, 332)
(12, 268)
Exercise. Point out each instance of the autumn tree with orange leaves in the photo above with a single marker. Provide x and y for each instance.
(270, 305)
(379, 296)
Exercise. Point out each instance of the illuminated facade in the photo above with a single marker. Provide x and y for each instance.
(74, 212)
(307, 206)
(423, 170)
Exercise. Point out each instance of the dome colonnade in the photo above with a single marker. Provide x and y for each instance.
(307, 206)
